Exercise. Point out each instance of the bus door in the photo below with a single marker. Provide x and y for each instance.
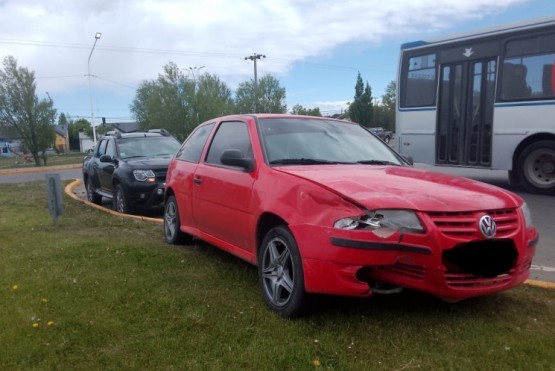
(465, 112)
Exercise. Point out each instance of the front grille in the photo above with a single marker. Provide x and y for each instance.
(467, 280)
(161, 175)
(465, 224)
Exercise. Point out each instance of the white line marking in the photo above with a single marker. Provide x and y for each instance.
(542, 268)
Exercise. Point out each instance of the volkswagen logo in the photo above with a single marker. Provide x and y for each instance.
(487, 226)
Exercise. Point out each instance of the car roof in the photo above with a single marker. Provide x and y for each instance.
(139, 134)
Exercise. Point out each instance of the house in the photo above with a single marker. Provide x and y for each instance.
(61, 143)
(10, 143)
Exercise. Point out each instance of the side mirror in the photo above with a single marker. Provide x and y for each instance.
(234, 157)
(106, 158)
(409, 159)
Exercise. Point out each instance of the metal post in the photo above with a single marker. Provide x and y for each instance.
(96, 37)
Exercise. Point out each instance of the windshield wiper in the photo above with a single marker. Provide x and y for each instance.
(377, 162)
(305, 161)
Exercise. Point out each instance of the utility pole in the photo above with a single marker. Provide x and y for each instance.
(254, 58)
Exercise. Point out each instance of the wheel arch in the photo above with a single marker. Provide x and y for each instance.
(266, 222)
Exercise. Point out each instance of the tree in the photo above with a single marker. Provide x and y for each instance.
(300, 110)
(75, 127)
(389, 102)
(361, 109)
(269, 96)
(20, 109)
(166, 103)
(178, 104)
(212, 98)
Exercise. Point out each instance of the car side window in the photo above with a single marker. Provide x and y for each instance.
(230, 135)
(110, 150)
(192, 148)
(102, 148)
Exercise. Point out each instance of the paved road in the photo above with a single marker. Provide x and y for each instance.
(542, 208)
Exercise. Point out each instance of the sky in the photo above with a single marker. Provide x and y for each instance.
(315, 48)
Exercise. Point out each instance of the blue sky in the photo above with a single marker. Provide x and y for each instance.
(315, 48)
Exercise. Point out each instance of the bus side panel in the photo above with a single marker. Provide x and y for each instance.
(418, 134)
(513, 123)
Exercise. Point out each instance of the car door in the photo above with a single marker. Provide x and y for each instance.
(223, 200)
(181, 172)
(106, 169)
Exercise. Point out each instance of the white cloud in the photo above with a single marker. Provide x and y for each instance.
(54, 38)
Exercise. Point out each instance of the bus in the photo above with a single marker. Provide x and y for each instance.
(484, 99)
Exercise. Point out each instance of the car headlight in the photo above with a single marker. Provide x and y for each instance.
(387, 221)
(527, 215)
(144, 175)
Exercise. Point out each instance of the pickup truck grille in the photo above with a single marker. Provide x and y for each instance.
(161, 175)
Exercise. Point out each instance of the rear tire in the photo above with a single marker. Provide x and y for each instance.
(280, 274)
(536, 167)
(92, 196)
(172, 224)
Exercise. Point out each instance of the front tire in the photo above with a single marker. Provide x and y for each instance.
(172, 231)
(536, 167)
(280, 274)
(121, 200)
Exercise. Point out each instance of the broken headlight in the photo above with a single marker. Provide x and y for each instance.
(385, 220)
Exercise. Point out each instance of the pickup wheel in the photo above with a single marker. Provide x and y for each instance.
(121, 200)
(92, 196)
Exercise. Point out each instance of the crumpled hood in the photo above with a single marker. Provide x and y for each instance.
(405, 188)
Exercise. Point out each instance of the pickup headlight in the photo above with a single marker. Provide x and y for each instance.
(387, 221)
(527, 215)
(144, 175)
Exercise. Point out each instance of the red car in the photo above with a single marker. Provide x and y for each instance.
(322, 206)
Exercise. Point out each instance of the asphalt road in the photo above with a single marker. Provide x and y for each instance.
(542, 208)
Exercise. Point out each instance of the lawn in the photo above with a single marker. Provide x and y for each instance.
(101, 292)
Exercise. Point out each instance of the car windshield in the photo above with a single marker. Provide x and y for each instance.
(147, 147)
(305, 141)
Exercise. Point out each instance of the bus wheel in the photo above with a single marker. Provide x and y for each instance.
(536, 165)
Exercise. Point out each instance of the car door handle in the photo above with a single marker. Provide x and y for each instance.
(197, 180)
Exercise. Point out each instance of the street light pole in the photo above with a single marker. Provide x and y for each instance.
(96, 37)
(254, 58)
(193, 71)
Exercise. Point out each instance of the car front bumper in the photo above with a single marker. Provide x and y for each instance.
(349, 263)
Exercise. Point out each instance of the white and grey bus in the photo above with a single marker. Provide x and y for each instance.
(484, 100)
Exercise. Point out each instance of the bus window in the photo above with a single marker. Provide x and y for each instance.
(420, 81)
(528, 68)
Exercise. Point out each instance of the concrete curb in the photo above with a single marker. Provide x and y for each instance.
(69, 191)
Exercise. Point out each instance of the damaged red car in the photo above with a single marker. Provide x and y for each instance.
(322, 206)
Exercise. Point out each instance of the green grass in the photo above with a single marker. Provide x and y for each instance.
(66, 159)
(117, 297)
